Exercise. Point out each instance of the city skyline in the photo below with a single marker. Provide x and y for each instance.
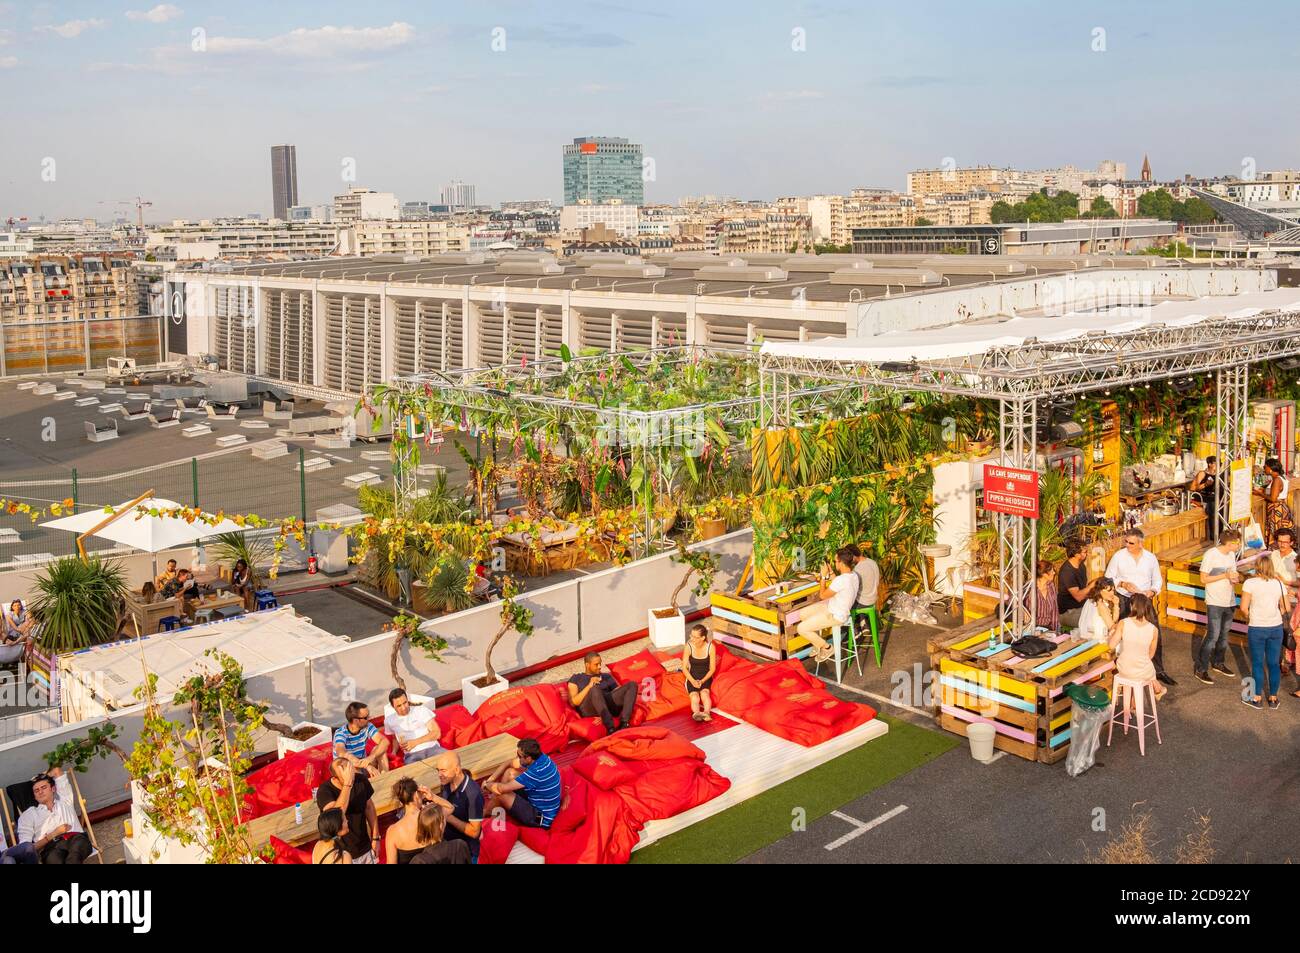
(798, 98)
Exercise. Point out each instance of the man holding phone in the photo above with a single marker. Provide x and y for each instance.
(1218, 576)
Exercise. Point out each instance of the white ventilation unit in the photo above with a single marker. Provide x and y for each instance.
(881, 277)
(522, 267)
(595, 330)
(742, 273)
(289, 336)
(626, 271)
(353, 359)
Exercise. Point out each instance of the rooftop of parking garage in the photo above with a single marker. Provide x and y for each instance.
(681, 278)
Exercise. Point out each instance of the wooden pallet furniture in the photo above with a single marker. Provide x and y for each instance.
(1184, 595)
(763, 621)
(978, 679)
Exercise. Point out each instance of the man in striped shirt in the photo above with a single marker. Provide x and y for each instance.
(528, 789)
(350, 740)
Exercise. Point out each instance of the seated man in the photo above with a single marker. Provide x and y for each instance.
(52, 828)
(595, 693)
(167, 575)
(528, 789)
(414, 726)
(837, 598)
(868, 574)
(182, 584)
(350, 740)
(461, 800)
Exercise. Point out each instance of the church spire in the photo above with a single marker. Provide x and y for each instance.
(1146, 169)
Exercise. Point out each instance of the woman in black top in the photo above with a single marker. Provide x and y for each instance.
(699, 660)
(435, 850)
(241, 580)
(402, 842)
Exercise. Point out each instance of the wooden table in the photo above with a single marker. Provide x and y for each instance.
(214, 603)
(479, 760)
(763, 621)
(147, 615)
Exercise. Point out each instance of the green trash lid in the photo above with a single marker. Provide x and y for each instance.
(1089, 696)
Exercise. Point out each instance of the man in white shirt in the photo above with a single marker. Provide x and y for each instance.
(1218, 575)
(837, 598)
(52, 827)
(414, 726)
(1133, 569)
(868, 574)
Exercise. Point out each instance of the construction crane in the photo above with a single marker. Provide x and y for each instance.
(140, 205)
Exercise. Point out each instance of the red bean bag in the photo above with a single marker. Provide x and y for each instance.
(604, 770)
(586, 729)
(637, 668)
(495, 840)
(287, 782)
(789, 719)
(661, 698)
(533, 711)
(288, 854)
(667, 788)
(451, 718)
(606, 835)
(646, 743)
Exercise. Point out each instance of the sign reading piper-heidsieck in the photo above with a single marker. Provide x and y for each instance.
(1010, 490)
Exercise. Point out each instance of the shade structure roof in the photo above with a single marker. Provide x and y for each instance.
(150, 534)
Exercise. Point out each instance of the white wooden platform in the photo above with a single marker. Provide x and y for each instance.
(754, 761)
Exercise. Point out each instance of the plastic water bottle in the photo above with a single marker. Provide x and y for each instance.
(297, 813)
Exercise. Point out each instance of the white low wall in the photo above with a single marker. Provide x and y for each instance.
(567, 616)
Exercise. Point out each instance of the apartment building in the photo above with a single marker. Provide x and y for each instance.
(357, 204)
(620, 218)
(66, 288)
(945, 181)
(245, 238)
(369, 237)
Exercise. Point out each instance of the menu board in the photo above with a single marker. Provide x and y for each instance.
(1239, 487)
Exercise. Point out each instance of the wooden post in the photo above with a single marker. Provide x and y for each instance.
(81, 540)
(85, 815)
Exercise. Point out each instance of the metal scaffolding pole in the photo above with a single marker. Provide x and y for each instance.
(1018, 535)
(1231, 410)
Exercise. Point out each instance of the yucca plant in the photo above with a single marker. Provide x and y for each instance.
(80, 603)
(257, 551)
(445, 586)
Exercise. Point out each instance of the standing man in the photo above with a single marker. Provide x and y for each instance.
(414, 726)
(350, 740)
(1206, 483)
(349, 790)
(595, 693)
(51, 829)
(1134, 569)
(1218, 576)
(1072, 586)
(461, 800)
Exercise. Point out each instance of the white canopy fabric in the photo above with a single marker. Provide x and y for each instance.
(956, 341)
(150, 534)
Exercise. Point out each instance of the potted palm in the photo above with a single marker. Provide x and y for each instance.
(476, 689)
(80, 603)
(667, 624)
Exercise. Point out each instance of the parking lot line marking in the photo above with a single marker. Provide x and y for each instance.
(860, 827)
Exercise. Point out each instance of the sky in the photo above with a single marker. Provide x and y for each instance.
(180, 102)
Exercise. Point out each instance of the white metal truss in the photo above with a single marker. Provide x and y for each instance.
(1017, 535)
(1231, 423)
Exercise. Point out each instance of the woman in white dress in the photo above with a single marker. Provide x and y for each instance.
(1100, 612)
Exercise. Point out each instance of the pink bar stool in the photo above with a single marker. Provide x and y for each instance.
(1132, 688)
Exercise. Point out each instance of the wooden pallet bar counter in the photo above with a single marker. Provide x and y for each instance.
(763, 621)
(976, 681)
(1185, 593)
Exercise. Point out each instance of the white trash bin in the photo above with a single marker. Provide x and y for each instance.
(981, 741)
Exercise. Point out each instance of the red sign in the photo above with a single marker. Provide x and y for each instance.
(1011, 491)
(588, 148)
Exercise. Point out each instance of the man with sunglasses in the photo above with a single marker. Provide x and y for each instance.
(52, 826)
(1136, 570)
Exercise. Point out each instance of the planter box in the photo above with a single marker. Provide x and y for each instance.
(146, 845)
(472, 696)
(284, 746)
(666, 631)
(711, 529)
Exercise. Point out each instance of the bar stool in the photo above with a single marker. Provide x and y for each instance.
(843, 647)
(169, 622)
(872, 615)
(266, 600)
(203, 615)
(1132, 688)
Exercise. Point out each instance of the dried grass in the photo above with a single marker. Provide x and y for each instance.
(1136, 843)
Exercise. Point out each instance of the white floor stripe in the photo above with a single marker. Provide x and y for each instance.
(879, 698)
(861, 828)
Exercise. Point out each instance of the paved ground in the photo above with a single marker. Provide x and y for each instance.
(1219, 758)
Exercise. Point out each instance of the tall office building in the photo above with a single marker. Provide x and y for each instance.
(284, 180)
(458, 195)
(600, 170)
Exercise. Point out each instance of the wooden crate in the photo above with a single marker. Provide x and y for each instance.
(1023, 699)
(760, 622)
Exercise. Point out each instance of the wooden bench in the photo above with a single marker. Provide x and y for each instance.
(479, 760)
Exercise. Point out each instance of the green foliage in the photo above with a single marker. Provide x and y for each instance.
(830, 248)
(445, 586)
(1100, 208)
(1059, 497)
(406, 626)
(79, 753)
(257, 551)
(1038, 207)
(420, 556)
(698, 562)
(80, 603)
(922, 221)
(514, 615)
(1161, 204)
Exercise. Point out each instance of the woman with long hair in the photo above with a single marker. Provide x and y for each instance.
(434, 849)
(1135, 639)
(330, 828)
(1264, 603)
(1277, 509)
(1101, 610)
(402, 842)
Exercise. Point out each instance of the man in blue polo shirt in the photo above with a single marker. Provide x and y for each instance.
(461, 800)
(350, 740)
(528, 788)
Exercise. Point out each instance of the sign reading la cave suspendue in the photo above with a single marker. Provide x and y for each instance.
(1011, 491)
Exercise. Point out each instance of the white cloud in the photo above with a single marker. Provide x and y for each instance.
(159, 14)
(313, 43)
(8, 62)
(73, 28)
(793, 96)
(6, 37)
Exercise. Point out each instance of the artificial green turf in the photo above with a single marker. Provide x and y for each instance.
(751, 825)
